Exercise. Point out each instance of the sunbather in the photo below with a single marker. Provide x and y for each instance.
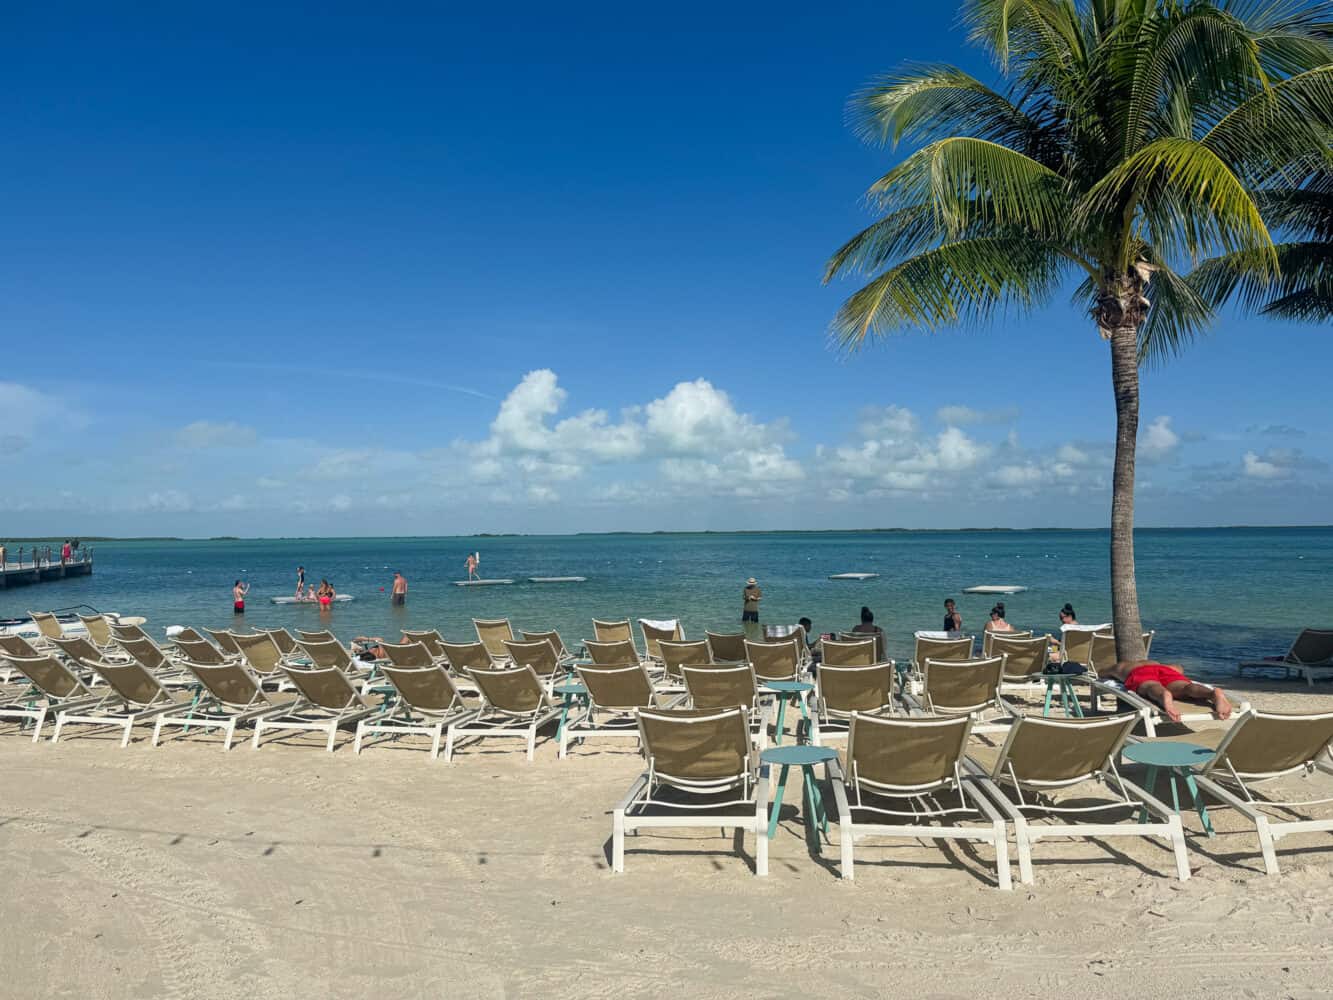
(1162, 683)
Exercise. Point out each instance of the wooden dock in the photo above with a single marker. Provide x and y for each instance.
(16, 574)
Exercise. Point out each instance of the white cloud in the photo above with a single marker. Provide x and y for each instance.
(166, 502)
(212, 434)
(1159, 441)
(27, 413)
(1269, 466)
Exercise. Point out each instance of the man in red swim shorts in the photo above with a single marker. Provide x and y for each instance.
(1163, 683)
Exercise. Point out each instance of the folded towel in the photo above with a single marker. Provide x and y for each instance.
(665, 625)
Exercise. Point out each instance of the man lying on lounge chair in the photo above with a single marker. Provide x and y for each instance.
(1162, 683)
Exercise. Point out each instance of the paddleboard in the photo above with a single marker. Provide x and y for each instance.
(557, 579)
(481, 583)
(303, 600)
(854, 576)
(995, 589)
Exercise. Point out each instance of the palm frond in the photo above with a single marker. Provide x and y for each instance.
(1186, 198)
(1268, 133)
(968, 180)
(1177, 316)
(961, 282)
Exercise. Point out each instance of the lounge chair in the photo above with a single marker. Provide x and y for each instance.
(48, 627)
(615, 653)
(327, 699)
(773, 661)
(260, 652)
(1153, 717)
(411, 656)
(726, 647)
(428, 703)
(493, 633)
(330, 653)
(842, 692)
(553, 637)
(234, 697)
(703, 771)
(965, 687)
(607, 631)
(282, 639)
(99, 630)
(1025, 660)
(319, 635)
(430, 638)
(903, 775)
(676, 655)
(726, 685)
(989, 636)
(540, 656)
(54, 688)
(463, 657)
(1076, 642)
(203, 651)
(859, 653)
(614, 695)
(120, 631)
(1101, 650)
(1263, 747)
(1043, 756)
(225, 641)
(1311, 655)
(514, 702)
(927, 647)
(185, 632)
(881, 653)
(15, 645)
(657, 631)
(77, 647)
(135, 696)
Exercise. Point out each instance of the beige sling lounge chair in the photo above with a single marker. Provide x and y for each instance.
(464, 657)
(859, 653)
(540, 656)
(927, 648)
(428, 704)
(842, 692)
(1311, 656)
(653, 633)
(607, 631)
(54, 688)
(1025, 659)
(1044, 756)
(726, 647)
(493, 633)
(327, 699)
(203, 651)
(905, 774)
(676, 655)
(553, 637)
(234, 696)
(715, 686)
(514, 702)
(225, 640)
(965, 687)
(1264, 747)
(614, 695)
(411, 656)
(99, 630)
(703, 771)
(989, 636)
(135, 696)
(615, 653)
(48, 626)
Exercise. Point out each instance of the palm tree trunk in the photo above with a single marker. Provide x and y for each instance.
(1124, 588)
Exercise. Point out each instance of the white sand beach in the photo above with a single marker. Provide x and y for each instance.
(182, 871)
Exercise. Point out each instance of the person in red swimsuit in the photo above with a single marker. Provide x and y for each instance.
(1163, 683)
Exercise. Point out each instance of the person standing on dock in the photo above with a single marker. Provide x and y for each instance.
(300, 581)
(65, 552)
(473, 561)
(750, 598)
(238, 591)
(399, 597)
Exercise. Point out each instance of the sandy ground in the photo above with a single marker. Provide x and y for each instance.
(181, 871)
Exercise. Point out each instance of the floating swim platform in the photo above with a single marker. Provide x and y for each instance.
(557, 579)
(481, 583)
(854, 576)
(305, 600)
(995, 588)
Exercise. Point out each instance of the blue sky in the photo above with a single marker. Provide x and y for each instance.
(398, 269)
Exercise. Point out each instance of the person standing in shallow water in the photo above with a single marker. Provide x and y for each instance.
(399, 589)
(300, 581)
(953, 621)
(238, 591)
(750, 598)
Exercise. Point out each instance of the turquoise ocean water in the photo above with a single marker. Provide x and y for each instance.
(1214, 595)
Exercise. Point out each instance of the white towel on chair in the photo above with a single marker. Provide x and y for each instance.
(666, 625)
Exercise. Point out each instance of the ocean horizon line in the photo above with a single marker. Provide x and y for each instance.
(83, 539)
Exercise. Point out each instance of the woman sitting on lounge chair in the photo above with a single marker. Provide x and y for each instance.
(1163, 683)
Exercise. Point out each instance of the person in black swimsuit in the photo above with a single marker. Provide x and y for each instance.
(953, 621)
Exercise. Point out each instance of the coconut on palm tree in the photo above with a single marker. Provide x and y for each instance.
(1131, 138)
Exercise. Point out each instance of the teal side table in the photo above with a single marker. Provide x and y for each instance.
(1178, 760)
(805, 757)
(785, 690)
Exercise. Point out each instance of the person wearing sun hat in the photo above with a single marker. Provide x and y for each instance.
(751, 596)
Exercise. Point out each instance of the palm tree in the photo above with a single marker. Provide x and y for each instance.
(1129, 139)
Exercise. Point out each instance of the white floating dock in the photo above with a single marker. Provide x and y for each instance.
(307, 600)
(557, 579)
(481, 583)
(995, 588)
(854, 576)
